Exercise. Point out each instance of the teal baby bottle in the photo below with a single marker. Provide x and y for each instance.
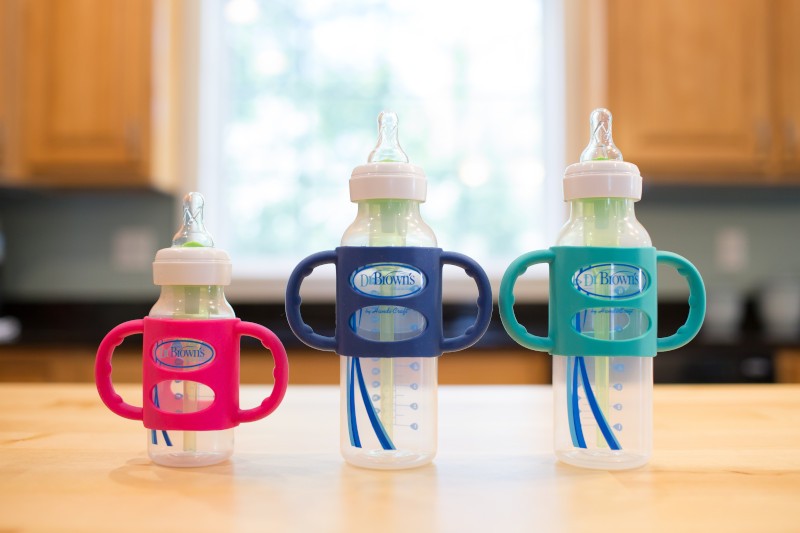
(603, 311)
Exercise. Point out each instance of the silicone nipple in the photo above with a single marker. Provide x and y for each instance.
(193, 232)
(601, 146)
(388, 149)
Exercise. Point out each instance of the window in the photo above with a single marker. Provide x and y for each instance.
(291, 90)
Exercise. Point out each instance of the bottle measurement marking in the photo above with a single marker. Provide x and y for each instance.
(587, 413)
(403, 409)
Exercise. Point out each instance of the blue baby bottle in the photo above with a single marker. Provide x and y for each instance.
(388, 312)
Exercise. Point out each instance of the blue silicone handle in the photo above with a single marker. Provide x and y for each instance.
(506, 301)
(474, 332)
(697, 302)
(303, 331)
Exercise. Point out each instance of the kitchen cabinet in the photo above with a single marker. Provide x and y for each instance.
(79, 75)
(787, 365)
(706, 91)
(4, 79)
(787, 64)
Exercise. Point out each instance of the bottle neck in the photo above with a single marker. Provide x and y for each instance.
(192, 302)
(390, 222)
(603, 222)
(602, 211)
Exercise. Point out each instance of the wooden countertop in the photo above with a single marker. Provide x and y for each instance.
(727, 458)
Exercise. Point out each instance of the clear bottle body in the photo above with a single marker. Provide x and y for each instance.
(603, 405)
(388, 405)
(188, 448)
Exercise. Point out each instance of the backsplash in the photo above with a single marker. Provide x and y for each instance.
(740, 240)
(81, 246)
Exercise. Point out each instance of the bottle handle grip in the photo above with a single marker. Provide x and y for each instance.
(303, 331)
(476, 330)
(280, 373)
(697, 302)
(506, 300)
(102, 369)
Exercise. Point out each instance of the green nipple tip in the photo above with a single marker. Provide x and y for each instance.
(601, 146)
(193, 233)
(388, 149)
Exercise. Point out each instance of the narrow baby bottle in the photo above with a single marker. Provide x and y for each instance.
(392, 421)
(190, 354)
(181, 298)
(388, 312)
(616, 401)
(603, 311)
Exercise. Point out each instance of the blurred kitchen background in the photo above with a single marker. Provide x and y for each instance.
(111, 110)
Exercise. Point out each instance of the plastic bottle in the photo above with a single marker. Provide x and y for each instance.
(190, 354)
(389, 330)
(622, 386)
(402, 390)
(178, 301)
(602, 329)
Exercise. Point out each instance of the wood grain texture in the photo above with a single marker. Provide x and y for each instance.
(87, 90)
(786, 50)
(726, 459)
(787, 365)
(689, 85)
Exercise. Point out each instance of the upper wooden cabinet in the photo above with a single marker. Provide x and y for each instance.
(79, 79)
(4, 81)
(706, 91)
(787, 90)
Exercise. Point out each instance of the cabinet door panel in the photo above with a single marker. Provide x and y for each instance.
(5, 41)
(87, 88)
(688, 86)
(787, 76)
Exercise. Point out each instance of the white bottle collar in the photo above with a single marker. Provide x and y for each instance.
(602, 179)
(400, 181)
(192, 266)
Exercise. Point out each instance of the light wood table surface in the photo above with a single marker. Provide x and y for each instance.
(727, 459)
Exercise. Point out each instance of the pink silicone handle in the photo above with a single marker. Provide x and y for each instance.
(102, 369)
(280, 372)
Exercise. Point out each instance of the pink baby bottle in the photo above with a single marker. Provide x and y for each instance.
(190, 402)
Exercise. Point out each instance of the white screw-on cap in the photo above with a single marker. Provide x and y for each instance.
(192, 266)
(402, 181)
(602, 179)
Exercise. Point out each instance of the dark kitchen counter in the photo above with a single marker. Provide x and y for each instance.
(746, 359)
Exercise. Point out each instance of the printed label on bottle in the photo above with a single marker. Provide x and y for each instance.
(613, 281)
(387, 280)
(183, 353)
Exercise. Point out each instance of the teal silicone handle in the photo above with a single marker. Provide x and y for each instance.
(506, 300)
(697, 302)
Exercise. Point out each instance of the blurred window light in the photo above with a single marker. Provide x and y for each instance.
(292, 91)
